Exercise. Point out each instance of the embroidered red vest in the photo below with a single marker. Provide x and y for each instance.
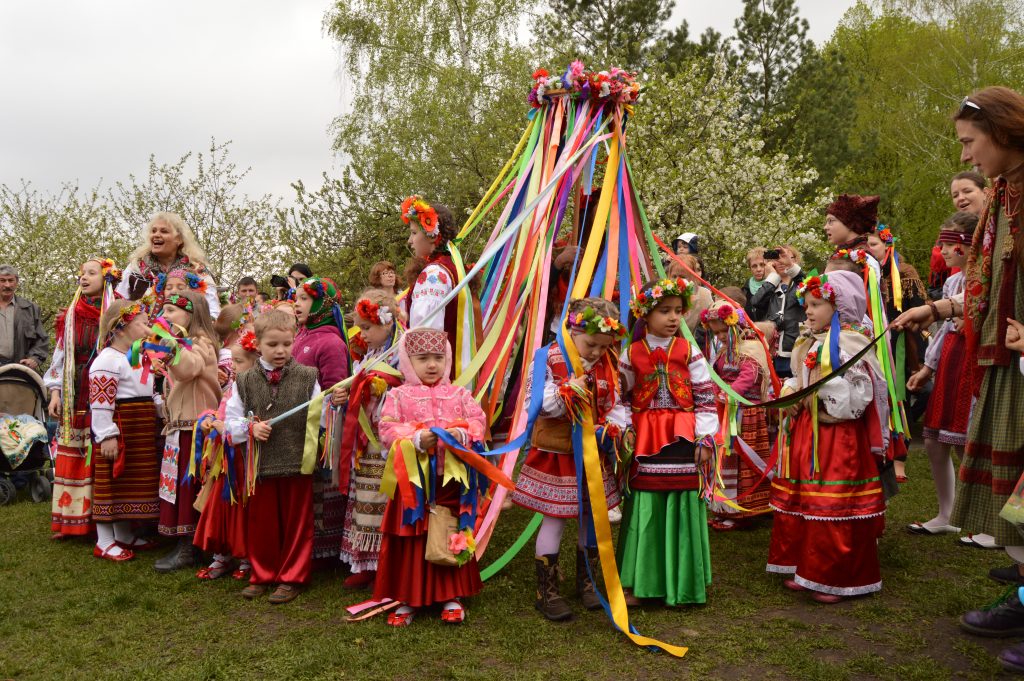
(647, 363)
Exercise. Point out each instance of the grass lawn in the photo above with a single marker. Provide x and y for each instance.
(65, 614)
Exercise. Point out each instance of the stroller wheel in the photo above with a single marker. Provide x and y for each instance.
(7, 491)
(40, 488)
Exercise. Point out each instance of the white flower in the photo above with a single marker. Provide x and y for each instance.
(385, 316)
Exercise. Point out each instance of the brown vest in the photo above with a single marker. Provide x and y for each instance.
(281, 454)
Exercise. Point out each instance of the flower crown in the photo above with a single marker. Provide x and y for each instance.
(108, 270)
(125, 316)
(614, 83)
(856, 255)
(591, 322)
(726, 314)
(647, 299)
(191, 279)
(886, 235)
(816, 286)
(318, 288)
(180, 301)
(243, 319)
(415, 207)
(247, 340)
(380, 315)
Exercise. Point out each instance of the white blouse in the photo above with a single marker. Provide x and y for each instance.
(953, 286)
(433, 284)
(112, 378)
(846, 397)
(237, 422)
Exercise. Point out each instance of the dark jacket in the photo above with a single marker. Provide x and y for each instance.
(30, 339)
(770, 303)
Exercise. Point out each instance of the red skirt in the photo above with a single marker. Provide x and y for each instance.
(179, 519)
(71, 507)
(402, 572)
(132, 495)
(221, 527)
(949, 406)
(656, 428)
(742, 478)
(547, 484)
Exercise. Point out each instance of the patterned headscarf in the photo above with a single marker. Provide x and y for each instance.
(325, 310)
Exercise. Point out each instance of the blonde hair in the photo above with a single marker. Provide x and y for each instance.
(189, 246)
(112, 315)
(755, 253)
(797, 256)
(273, 320)
(201, 324)
(227, 319)
(378, 297)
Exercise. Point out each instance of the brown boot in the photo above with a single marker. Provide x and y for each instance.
(549, 601)
(584, 584)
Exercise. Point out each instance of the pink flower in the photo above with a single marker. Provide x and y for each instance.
(576, 68)
(457, 543)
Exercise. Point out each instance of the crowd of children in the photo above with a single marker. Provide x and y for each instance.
(269, 435)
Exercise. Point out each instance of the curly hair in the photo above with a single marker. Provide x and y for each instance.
(189, 245)
(380, 268)
(446, 225)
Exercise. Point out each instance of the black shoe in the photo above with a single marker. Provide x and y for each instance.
(1007, 575)
(182, 556)
(1001, 621)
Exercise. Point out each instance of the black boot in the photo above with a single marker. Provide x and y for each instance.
(1003, 620)
(584, 584)
(549, 601)
(181, 556)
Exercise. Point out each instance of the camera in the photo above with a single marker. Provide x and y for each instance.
(277, 281)
(771, 254)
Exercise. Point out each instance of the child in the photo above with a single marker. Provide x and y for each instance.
(849, 220)
(278, 515)
(741, 361)
(320, 344)
(362, 459)
(124, 432)
(663, 544)
(427, 400)
(827, 491)
(178, 281)
(548, 481)
(949, 407)
(67, 380)
(221, 528)
(191, 387)
(229, 325)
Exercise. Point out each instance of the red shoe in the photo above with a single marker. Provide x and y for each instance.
(215, 571)
(792, 585)
(139, 544)
(723, 525)
(453, 613)
(125, 554)
(902, 479)
(402, 617)
(360, 580)
(241, 572)
(828, 599)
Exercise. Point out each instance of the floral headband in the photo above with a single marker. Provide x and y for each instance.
(125, 316)
(320, 289)
(108, 270)
(816, 286)
(180, 301)
(247, 340)
(591, 322)
(415, 207)
(375, 314)
(726, 314)
(191, 279)
(647, 299)
(886, 235)
(856, 255)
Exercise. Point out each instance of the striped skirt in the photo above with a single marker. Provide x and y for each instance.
(132, 495)
(360, 545)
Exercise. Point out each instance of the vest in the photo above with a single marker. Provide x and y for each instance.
(281, 454)
(677, 368)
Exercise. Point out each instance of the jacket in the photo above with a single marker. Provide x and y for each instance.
(770, 303)
(30, 339)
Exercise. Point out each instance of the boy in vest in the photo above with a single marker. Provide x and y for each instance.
(279, 513)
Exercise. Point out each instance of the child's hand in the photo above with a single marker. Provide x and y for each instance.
(580, 382)
(108, 448)
(207, 426)
(958, 324)
(261, 431)
(428, 441)
(222, 376)
(703, 454)
(793, 410)
(158, 366)
(919, 379)
(457, 433)
(218, 425)
(1014, 335)
(54, 408)
(339, 396)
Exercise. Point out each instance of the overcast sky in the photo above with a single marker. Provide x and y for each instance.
(89, 89)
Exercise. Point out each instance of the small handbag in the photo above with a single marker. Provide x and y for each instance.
(441, 524)
(552, 435)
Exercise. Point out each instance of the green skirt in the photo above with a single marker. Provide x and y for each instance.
(663, 547)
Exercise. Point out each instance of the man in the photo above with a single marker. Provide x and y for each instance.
(247, 289)
(22, 338)
(776, 301)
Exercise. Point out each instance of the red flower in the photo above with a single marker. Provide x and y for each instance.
(422, 278)
(540, 73)
(64, 501)
(811, 360)
(442, 277)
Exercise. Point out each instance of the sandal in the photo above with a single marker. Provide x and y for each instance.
(242, 571)
(402, 617)
(922, 528)
(453, 613)
(254, 591)
(215, 570)
(285, 593)
(793, 585)
(125, 554)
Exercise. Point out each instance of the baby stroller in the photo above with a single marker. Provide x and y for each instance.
(23, 396)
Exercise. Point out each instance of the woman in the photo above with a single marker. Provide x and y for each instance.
(967, 189)
(384, 276)
(775, 301)
(168, 244)
(990, 128)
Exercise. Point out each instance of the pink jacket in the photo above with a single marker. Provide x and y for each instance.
(323, 349)
(412, 408)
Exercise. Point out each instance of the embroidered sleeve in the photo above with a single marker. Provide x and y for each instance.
(103, 382)
(703, 396)
(847, 397)
(433, 284)
(552, 404)
(53, 379)
(934, 351)
(626, 372)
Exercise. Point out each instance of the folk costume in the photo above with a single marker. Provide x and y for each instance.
(827, 490)
(149, 276)
(77, 346)
(663, 547)
(949, 407)
(320, 344)
(742, 363)
(446, 481)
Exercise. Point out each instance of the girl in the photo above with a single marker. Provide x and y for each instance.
(548, 482)
(178, 281)
(229, 326)
(67, 380)
(849, 219)
(221, 529)
(124, 432)
(827, 490)
(663, 546)
(362, 459)
(191, 388)
(741, 361)
(320, 344)
(427, 400)
(949, 407)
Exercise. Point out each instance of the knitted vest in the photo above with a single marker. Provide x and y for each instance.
(648, 379)
(281, 454)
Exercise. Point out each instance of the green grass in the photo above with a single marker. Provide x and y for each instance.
(64, 614)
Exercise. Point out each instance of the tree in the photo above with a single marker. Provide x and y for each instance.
(700, 166)
(679, 50)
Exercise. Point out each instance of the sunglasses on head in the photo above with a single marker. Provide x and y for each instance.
(966, 103)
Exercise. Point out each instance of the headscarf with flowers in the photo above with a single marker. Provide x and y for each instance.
(325, 310)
